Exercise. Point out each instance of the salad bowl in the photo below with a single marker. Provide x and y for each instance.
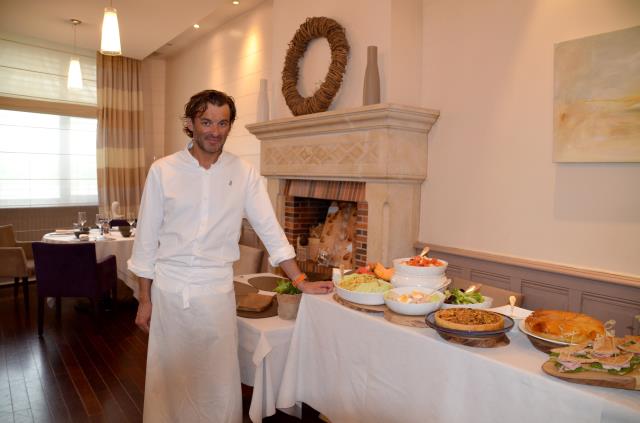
(457, 298)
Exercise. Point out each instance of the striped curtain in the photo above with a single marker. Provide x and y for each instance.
(120, 150)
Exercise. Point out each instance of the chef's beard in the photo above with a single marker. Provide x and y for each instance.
(201, 141)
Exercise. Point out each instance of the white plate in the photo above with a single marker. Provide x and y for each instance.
(434, 283)
(524, 330)
(365, 298)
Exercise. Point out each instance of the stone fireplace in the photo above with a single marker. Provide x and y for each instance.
(374, 156)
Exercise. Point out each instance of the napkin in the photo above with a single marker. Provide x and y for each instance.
(64, 231)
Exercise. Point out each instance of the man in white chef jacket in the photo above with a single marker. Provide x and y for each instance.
(186, 241)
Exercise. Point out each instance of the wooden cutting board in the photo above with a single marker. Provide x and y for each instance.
(360, 307)
(253, 302)
(628, 381)
(403, 319)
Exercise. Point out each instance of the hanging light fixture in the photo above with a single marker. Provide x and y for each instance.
(74, 75)
(110, 42)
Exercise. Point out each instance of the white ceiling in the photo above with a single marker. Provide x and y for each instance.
(146, 26)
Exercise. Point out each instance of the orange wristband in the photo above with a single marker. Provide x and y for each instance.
(301, 277)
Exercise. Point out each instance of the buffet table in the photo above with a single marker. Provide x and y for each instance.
(358, 367)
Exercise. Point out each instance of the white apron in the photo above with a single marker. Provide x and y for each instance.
(193, 373)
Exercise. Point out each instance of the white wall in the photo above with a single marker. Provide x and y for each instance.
(153, 85)
(232, 59)
(366, 23)
(488, 67)
(492, 186)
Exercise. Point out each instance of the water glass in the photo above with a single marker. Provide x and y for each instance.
(82, 218)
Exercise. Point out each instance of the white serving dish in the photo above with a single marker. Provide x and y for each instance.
(365, 298)
(435, 283)
(407, 270)
(485, 304)
(413, 309)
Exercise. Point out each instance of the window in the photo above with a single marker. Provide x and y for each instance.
(47, 132)
(47, 160)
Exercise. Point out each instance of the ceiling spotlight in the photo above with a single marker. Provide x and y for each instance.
(74, 74)
(236, 2)
(196, 26)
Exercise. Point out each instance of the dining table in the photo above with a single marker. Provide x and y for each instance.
(263, 345)
(354, 366)
(112, 243)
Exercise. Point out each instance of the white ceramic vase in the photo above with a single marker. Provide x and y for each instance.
(263, 102)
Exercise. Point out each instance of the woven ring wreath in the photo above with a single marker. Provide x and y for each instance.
(314, 28)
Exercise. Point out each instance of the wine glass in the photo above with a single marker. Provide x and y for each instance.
(131, 218)
(82, 219)
(100, 221)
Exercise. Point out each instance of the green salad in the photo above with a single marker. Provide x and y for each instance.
(458, 296)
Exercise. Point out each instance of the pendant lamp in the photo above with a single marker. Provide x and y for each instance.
(110, 42)
(74, 75)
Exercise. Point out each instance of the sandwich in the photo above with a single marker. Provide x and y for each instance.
(605, 354)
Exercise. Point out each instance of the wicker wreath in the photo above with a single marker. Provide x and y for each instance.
(314, 28)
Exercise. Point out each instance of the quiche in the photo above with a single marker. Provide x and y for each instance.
(564, 326)
(469, 319)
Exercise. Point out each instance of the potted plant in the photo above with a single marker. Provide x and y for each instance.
(288, 299)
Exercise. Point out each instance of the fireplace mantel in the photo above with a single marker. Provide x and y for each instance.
(380, 141)
(382, 145)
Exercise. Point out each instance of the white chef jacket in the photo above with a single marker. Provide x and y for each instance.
(192, 217)
(186, 241)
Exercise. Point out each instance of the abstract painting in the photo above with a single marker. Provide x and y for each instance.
(597, 98)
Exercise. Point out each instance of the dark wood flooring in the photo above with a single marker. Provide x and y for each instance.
(78, 371)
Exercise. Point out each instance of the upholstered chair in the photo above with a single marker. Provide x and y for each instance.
(16, 261)
(71, 270)
(250, 260)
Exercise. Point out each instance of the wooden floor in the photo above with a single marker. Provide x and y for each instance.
(77, 372)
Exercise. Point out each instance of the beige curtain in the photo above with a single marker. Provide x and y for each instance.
(120, 151)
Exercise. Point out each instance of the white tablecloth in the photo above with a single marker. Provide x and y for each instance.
(114, 243)
(357, 367)
(262, 350)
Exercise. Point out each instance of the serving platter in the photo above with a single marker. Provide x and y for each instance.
(405, 320)
(367, 308)
(629, 381)
(485, 339)
(540, 343)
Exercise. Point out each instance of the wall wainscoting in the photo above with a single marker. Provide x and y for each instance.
(31, 223)
(545, 285)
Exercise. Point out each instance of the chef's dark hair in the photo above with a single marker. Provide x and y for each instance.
(198, 104)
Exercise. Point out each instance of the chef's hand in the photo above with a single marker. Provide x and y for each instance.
(143, 317)
(322, 287)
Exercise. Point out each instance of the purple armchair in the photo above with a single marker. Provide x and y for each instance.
(71, 270)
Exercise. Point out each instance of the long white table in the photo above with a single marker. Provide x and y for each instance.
(358, 367)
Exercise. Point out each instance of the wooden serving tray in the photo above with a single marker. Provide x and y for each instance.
(403, 319)
(629, 381)
(360, 307)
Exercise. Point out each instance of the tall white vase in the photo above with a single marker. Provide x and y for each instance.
(263, 102)
(371, 89)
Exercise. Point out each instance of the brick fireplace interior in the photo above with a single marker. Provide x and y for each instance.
(306, 203)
